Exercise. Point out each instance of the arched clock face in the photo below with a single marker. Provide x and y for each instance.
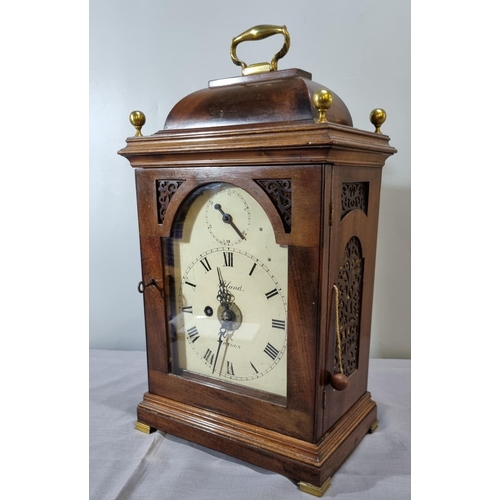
(230, 291)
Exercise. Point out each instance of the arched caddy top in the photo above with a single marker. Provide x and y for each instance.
(264, 99)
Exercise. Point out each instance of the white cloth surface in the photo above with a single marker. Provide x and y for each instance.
(128, 464)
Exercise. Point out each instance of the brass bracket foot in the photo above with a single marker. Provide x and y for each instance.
(371, 430)
(144, 428)
(315, 490)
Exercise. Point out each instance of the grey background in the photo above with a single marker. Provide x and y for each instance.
(148, 55)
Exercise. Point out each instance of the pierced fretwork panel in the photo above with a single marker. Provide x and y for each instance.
(349, 284)
(280, 193)
(165, 189)
(354, 197)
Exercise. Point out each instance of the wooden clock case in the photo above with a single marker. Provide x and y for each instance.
(319, 184)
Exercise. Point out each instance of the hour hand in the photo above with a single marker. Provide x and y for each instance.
(221, 281)
(228, 219)
(223, 295)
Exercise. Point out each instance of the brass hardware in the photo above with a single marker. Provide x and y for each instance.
(137, 119)
(144, 428)
(315, 490)
(322, 100)
(259, 33)
(371, 430)
(377, 117)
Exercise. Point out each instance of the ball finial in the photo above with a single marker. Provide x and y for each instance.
(322, 100)
(137, 119)
(377, 117)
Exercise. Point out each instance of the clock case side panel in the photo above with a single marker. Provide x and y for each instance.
(299, 418)
(360, 223)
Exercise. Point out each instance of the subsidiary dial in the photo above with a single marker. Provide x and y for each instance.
(228, 217)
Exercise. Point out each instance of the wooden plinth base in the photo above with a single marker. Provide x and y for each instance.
(301, 461)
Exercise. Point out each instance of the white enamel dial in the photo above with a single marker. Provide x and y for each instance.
(234, 315)
(231, 299)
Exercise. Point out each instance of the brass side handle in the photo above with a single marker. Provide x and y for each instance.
(259, 33)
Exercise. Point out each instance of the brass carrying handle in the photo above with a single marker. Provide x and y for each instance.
(259, 33)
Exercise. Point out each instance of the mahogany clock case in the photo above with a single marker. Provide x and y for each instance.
(319, 185)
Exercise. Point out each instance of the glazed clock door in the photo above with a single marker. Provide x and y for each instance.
(228, 296)
(232, 274)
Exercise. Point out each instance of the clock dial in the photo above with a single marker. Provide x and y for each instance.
(230, 306)
(233, 316)
(227, 216)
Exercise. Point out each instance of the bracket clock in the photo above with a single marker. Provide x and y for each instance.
(258, 208)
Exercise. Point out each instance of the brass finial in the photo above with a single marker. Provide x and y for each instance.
(137, 119)
(377, 117)
(322, 100)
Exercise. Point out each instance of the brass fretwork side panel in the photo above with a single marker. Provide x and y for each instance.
(350, 282)
(354, 197)
(280, 192)
(165, 189)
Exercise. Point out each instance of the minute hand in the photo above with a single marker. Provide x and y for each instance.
(228, 220)
(222, 333)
